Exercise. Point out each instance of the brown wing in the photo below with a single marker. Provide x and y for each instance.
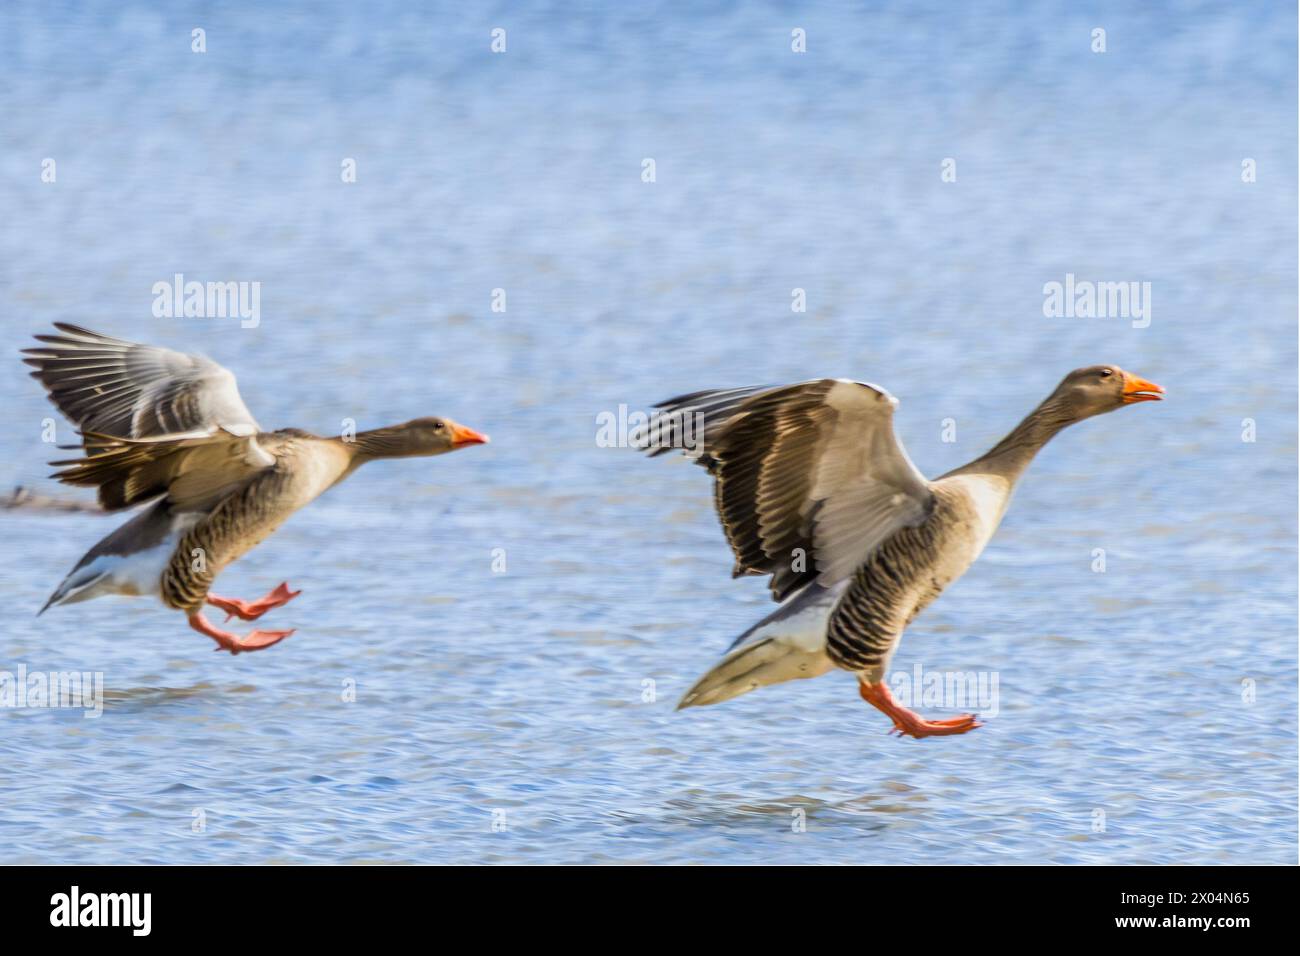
(127, 390)
(809, 478)
(195, 471)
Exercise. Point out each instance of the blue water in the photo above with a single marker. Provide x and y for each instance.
(503, 717)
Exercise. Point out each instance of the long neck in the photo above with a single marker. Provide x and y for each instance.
(1011, 456)
(388, 442)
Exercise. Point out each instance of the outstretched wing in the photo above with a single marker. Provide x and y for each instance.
(195, 470)
(808, 478)
(126, 390)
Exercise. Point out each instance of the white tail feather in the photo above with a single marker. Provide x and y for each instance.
(767, 661)
(788, 644)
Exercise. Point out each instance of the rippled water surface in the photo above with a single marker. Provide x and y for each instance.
(527, 716)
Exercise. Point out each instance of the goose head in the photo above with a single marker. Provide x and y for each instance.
(419, 437)
(1102, 388)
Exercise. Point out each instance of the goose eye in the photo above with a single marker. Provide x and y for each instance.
(1105, 373)
(437, 426)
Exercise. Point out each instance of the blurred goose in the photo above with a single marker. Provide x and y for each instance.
(169, 428)
(814, 489)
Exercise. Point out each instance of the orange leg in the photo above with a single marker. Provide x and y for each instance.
(233, 642)
(911, 724)
(252, 610)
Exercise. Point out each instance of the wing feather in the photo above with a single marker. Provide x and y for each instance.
(195, 470)
(113, 387)
(809, 479)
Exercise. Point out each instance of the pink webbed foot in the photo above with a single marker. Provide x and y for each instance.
(908, 723)
(233, 643)
(252, 610)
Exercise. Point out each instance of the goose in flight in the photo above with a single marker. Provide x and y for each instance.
(170, 429)
(814, 489)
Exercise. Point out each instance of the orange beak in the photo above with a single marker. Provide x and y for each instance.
(1140, 390)
(462, 436)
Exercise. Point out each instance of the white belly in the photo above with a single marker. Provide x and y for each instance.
(136, 574)
(133, 574)
(989, 495)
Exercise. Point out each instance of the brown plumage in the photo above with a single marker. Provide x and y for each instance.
(218, 484)
(813, 488)
(120, 388)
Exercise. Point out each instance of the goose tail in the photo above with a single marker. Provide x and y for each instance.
(788, 644)
(766, 661)
(77, 586)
